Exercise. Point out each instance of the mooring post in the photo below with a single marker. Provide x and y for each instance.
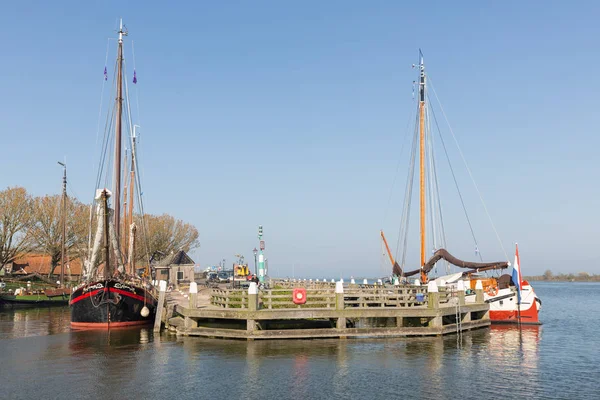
(190, 323)
(433, 298)
(479, 292)
(193, 294)
(339, 304)
(160, 306)
(460, 288)
(252, 305)
(433, 301)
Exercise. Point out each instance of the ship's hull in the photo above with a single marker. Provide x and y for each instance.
(111, 303)
(33, 300)
(505, 307)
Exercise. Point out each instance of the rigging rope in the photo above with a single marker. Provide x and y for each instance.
(456, 184)
(410, 117)
(468, 170)
(403, 231)
(137, 182)
(101, 101)
(439, 207)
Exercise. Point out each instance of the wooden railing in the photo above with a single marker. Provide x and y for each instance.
(229, 298)
(325, 298)
(282, 299)
(409, 296)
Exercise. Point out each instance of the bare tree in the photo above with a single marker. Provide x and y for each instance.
(15, 219)
(46, 229)
(165, 234)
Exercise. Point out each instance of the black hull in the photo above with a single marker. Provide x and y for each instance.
(12, 302)
(111, 303)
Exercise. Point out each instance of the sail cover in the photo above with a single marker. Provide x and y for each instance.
(443, 254)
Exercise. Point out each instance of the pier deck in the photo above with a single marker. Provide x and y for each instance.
(342, 312)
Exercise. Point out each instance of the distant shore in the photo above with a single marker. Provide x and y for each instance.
(580, 277)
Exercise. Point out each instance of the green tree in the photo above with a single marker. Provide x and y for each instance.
(548, 275)
(15, 219)
(46, 227)
(164, 234)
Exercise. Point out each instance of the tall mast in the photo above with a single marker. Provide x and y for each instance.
(131, 185)
(119, 107)
(422, 161)
(64, 224)
(106, 245)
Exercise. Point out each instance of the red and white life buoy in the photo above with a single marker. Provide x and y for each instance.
(299, 296)
(492, 291)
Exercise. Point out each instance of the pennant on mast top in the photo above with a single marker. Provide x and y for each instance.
(134, 77)
(105, 75)
(516, 273)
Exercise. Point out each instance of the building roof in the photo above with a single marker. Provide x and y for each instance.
(178, 258)
(42, 264)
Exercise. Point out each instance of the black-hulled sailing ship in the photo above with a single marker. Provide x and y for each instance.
(112, 294)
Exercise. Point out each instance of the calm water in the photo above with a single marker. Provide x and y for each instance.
(40, 357)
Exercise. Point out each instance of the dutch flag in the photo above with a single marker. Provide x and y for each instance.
(516, 274)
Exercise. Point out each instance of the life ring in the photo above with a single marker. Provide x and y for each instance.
(492, 291)
(299, 296)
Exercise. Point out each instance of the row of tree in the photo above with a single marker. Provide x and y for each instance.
(571, 277)
(34, 225)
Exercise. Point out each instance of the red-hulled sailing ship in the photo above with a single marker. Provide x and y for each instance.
(511, 299)
(112, 293)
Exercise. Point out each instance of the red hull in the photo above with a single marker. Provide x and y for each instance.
(106, 325)
(529, 316)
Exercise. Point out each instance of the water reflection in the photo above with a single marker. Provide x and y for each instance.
(526, 339)
(28, 322)
(99, 363)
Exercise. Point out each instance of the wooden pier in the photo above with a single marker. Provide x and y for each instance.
(330, 311)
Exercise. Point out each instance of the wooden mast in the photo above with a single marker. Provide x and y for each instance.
(119, 113)
(124, 245)
(64, 225)
(422, 163)
(106, 240)
(131, 260)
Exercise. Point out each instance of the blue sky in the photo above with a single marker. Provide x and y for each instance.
(292, 115)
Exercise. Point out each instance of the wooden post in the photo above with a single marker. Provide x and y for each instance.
(160, 305)
(479, 292)
(433, 298)
(339, 304)
(433, 301)
(460, 287)
(252, 305)
(193, 295)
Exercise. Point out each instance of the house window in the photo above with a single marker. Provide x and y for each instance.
(179, 275)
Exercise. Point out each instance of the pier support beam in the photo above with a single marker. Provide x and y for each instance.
(160, 306)
(435, 322)
(466, 317)
(399, 322)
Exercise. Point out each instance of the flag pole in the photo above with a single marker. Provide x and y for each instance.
(517, 280)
